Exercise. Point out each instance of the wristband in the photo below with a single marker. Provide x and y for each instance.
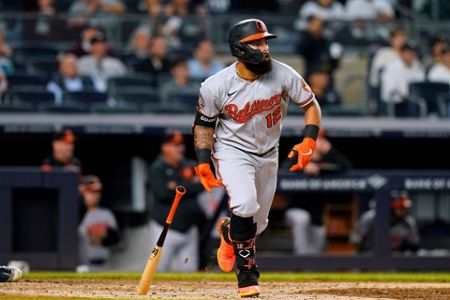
(311, 131)
(203, 155)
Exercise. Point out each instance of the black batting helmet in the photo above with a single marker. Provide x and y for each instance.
(244, 32)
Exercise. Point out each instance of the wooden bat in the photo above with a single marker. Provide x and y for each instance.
(153, 260)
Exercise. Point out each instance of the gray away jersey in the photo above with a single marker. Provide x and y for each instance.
(250, 113)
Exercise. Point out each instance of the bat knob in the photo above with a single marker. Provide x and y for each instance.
(180, 190)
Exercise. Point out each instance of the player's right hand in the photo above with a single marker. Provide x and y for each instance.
(207, 178)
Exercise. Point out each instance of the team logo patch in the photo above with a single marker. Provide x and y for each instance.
(244, 253)
(260, 26)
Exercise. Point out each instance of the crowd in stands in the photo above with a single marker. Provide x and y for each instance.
(169, 52)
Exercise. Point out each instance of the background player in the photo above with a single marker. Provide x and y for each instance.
(238, 122)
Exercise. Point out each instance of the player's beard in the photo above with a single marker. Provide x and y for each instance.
(261, 68)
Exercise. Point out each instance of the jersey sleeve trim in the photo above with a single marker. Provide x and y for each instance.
(307, 101)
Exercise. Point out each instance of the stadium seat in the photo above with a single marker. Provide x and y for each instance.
(16, 106)
(115, 84)
(164, 109)
(86, 97)
(29, 52)
(27, 79)
(65, 107)
(35, 98)
(139, 96)
(119, 108)
(186, 100)
(44, 66)
(430, 92)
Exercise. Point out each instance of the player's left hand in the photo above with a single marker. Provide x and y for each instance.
(304, 152)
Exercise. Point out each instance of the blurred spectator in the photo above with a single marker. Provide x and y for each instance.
(317, 51)
(6, 53)
(3, 84)
(46, 7)
(91, 8)
(157, 63)
(305, 215)
(203, 64)
(437, 46)
(184, 23)
(139, 48)
(156, 17)
(397, 76)
(387, 54)
(63, 153)
(83, 47)
(326, 10)
(180, 80)
(98, 230)
(319, 82)
(68, 79)
(369, 10)
(153, 8)
(5, 49)
(170, 169)
(403, 232)
(97, 13)
(440, 72)
(45, 24)
(99, 65)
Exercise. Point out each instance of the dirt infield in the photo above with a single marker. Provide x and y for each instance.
(206, 289)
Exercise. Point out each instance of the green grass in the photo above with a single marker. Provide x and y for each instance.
(266, 276)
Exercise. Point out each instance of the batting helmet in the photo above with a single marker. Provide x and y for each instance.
(244, 32)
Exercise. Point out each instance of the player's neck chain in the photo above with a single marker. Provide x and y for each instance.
(250, 76)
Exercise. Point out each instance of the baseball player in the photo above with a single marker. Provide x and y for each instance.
(238, 125)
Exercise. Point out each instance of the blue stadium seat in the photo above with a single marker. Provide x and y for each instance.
(32, 52)
(184, 99)
(115, 84)
(86, 97)
(35, 98)
(139, 96)
(66, 107)
(48, 67)
(430, 92)
(18, 79)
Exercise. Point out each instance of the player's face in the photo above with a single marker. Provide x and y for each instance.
(173, 152)
(63, 151)
(91, 198)
(263, 46)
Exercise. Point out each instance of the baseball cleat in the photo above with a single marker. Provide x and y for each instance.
(225, 253)
(249, 291)
(10, 273)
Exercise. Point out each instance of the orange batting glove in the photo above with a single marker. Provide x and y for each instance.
(304, 152)
(206, 176)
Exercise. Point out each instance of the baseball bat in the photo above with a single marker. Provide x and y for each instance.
(153, 260)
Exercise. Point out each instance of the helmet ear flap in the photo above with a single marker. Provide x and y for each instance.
(246, 53)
